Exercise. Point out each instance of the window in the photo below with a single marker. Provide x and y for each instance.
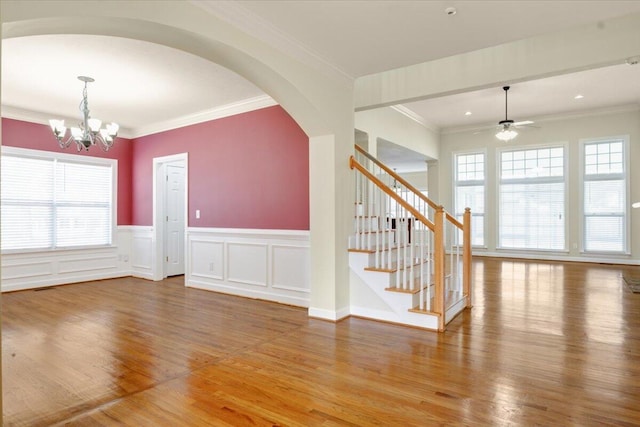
(532, 201)
(469, 192)
(54, 200)
(604, 197)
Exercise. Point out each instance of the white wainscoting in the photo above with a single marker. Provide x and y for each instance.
(265, 264)
(48, 268)
(142, 252)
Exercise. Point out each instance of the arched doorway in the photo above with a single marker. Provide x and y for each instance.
(322, 105)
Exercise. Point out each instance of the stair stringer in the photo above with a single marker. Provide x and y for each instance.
(399, 303)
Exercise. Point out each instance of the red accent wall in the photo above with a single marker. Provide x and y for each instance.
(17, 133)
(250, 170)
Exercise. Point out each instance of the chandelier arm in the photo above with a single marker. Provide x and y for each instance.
(104, 144)
(67, 143)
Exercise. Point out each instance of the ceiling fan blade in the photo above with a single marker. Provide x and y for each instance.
(523, 123)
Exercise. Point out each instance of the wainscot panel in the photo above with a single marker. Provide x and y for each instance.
(271, 265)
(142, 252)
(48, 268)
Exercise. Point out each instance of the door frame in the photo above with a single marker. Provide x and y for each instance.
(159, 187)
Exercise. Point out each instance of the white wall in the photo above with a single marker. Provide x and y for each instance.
(624, 121)
(417, 179)
(393, 126)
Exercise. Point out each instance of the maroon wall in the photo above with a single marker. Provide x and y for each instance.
(16, 133)
(250, 170)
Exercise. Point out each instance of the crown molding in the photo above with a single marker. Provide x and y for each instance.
(17, 113)
(625, 108)
(415, 117)
(227, 110)
(250, 23)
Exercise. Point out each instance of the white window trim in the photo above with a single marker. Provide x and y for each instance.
(627, 218)
(454, 181)
(41, 154)
(566, 177)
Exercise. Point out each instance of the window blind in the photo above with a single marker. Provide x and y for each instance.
(52, 203)
(469, 193)
(604, 197)
(532, 199)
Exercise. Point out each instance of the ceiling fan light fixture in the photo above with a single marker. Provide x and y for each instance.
(506, 134)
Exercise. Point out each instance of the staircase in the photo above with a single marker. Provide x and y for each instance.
(408, 250)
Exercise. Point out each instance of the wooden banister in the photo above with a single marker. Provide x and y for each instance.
(354, 164)
(410, 187)
(397, 177)
(453, 220)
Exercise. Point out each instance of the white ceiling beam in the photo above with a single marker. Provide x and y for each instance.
(596, 45)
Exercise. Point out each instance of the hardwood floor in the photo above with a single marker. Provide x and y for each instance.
(545, 344)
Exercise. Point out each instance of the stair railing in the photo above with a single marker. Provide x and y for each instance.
(388, 200)
(398, 235)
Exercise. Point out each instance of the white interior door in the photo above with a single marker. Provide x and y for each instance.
(174, 224)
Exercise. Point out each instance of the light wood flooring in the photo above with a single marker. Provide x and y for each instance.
(545, 344)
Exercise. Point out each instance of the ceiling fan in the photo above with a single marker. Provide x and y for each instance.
(507, 131)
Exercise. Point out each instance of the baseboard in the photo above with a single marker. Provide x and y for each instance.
(146, 276)
(331, 315)
(43, 283)
(558, 257)
(246, 293)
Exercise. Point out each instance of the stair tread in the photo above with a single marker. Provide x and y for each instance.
(421, 311)
(394, 267)
(409, 291)
(373, 251)
(365, 251)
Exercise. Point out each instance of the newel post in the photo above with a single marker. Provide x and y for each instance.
(439, 257)
(466, 257)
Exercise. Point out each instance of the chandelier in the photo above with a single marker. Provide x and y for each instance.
(89, 131)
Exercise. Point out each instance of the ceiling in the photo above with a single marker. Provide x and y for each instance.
(367, 37)
(136, 81)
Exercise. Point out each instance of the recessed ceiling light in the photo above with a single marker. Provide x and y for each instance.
(578, 96)
(451, 11)
(468, 113)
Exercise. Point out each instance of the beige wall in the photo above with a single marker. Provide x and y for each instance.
(569, 131)
(417, 179)
(393, 126)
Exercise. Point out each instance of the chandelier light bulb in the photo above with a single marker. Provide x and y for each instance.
(94, 125)
(76, 133)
